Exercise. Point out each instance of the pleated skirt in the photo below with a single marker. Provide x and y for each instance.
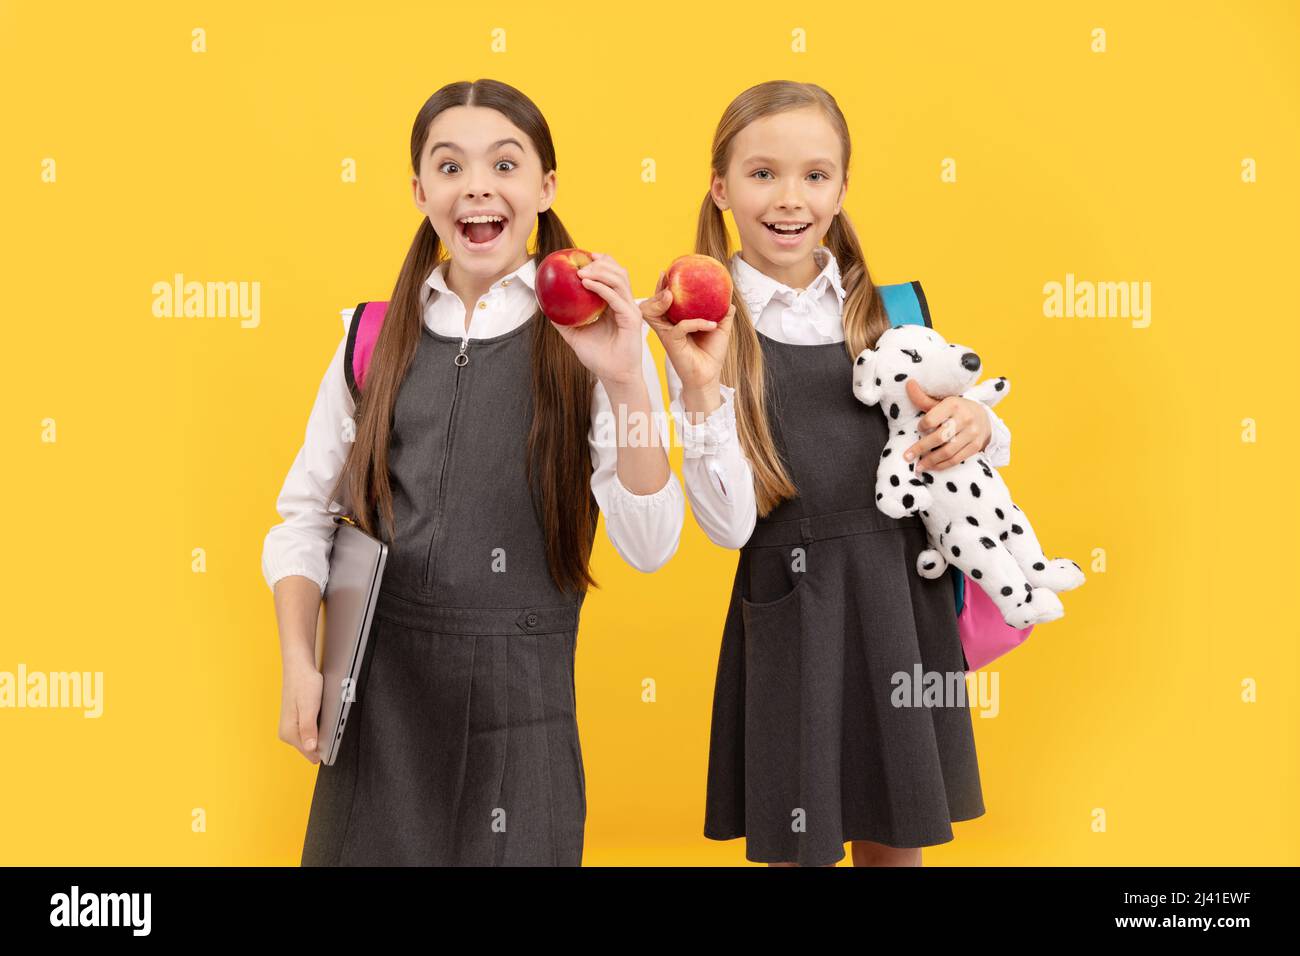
(817, 737)
(461, 748)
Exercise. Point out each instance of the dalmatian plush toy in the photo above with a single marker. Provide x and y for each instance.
(967, 509)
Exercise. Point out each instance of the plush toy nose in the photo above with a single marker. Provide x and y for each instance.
(970, 362)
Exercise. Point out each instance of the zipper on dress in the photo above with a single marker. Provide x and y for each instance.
(461, 360)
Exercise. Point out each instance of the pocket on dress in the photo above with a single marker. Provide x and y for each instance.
(774, 574)
(773, 707)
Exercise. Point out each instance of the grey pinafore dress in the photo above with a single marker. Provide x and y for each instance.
(462, 744)
(807, 751)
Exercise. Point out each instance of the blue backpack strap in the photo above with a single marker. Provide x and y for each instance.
(905, 305)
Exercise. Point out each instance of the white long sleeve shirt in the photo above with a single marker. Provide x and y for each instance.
(719, 481)
(645, 530)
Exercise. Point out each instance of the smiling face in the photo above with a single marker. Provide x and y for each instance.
(477, 165)
(784, 185)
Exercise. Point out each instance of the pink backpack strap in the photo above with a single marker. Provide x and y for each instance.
(367, 320)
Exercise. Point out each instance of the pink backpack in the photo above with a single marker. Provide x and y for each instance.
(367, 319)
(984, 635)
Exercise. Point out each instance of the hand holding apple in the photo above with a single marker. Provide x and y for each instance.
(696, 347)
(560, 291)
(701, 288)
(611, 348)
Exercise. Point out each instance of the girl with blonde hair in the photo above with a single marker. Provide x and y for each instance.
(811, 746)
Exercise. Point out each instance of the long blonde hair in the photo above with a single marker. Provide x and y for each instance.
(864, 311)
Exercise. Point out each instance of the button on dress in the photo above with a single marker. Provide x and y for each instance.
(807, 749)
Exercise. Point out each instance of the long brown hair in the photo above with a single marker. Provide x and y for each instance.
(559, 462)
(864, 311)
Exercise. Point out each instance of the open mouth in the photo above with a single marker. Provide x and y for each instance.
(787, 230)
(481, 230)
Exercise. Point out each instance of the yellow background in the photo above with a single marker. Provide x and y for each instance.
(177, 433)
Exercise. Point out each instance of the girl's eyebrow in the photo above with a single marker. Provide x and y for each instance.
(820, 161)
(497, 145)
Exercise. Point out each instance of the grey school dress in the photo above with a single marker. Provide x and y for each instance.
(807, 752)
(462, 744)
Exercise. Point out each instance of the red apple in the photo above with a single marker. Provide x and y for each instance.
(560, 292)
(701, 288)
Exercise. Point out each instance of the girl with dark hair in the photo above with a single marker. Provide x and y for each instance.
(474, 444)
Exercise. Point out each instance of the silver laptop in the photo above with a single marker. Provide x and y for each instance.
(351, 591)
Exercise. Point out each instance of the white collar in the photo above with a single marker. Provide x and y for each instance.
(437, 280)
(757, 288)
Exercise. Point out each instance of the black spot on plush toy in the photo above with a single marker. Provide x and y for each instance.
(967, 509)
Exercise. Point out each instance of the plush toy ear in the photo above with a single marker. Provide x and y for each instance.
(864, 378)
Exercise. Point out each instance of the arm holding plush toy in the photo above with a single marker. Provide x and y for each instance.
(973, 423)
